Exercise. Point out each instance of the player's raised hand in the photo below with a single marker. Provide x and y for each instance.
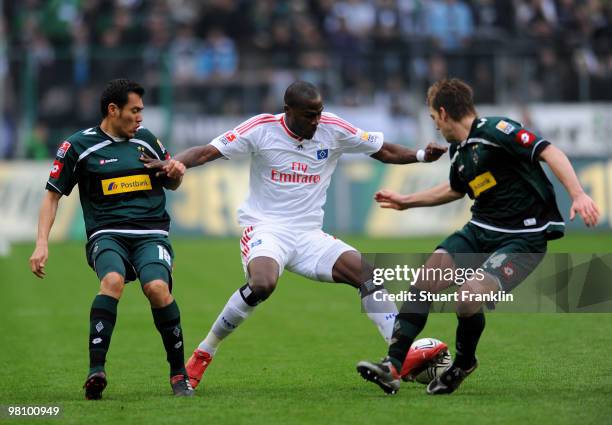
(174, 169)
(38, 260)
(390, 199)
(584, 206)
(433, 152)
(155, 164)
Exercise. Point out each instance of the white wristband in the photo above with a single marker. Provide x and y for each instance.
(420, 155)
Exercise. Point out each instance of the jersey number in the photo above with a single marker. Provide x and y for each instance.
(496, 260)
(164, 255)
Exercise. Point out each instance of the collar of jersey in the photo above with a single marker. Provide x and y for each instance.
(113, 138)
(288, 131)
(472, 128)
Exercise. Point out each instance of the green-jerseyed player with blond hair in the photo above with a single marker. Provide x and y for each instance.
(496, 162)
(124, 207)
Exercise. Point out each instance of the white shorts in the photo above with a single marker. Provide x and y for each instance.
(311, 254)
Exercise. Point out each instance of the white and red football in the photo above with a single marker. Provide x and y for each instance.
(426, 359)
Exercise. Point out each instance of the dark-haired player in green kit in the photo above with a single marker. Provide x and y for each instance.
(126, 223)
(496, 162)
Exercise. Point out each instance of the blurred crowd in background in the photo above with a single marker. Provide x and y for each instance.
(236, 57)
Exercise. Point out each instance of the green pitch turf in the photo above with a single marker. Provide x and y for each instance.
(294, 360)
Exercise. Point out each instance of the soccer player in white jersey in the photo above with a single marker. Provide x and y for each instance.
(293, 156)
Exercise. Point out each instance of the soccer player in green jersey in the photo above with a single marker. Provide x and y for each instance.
(496, 162)
(126, 223)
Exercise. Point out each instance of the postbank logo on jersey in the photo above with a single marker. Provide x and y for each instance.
(482, 183)
(126, 184)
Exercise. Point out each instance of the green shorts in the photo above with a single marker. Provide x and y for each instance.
(129, 254)
(510, 257)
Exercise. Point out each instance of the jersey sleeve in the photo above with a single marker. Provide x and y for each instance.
(455, 181)
(242, 140)
(352, 139)
(519, 141)
(155, 144)
(63, 177)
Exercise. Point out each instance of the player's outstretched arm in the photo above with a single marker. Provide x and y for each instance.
(391, 153)
(198, 155)
(46, 217)
(581, 202)
(175, 170)
(192, 157)
(438, 195)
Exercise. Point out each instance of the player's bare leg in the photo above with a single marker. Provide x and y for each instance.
(263, 277)
(350, 269)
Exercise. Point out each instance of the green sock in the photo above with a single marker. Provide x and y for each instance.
(468, 334)
(409, 323)
(407, 328)
(168, 322)
(101, 324)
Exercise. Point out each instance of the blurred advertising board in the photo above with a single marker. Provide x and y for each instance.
(206, 203)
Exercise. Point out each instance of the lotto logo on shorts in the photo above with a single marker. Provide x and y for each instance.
(508, 270)
(126, 184)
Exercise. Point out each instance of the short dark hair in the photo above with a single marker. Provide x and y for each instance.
(299, 92)
(116, 91)
(454, 95)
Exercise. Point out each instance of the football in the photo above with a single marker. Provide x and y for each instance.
(426, 359)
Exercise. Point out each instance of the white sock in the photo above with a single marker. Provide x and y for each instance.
(210, 343)
(382, 313)
(232, 315)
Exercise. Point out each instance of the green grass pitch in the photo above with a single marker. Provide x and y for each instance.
(294, 360)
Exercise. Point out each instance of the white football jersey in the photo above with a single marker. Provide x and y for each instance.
(289, 176)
